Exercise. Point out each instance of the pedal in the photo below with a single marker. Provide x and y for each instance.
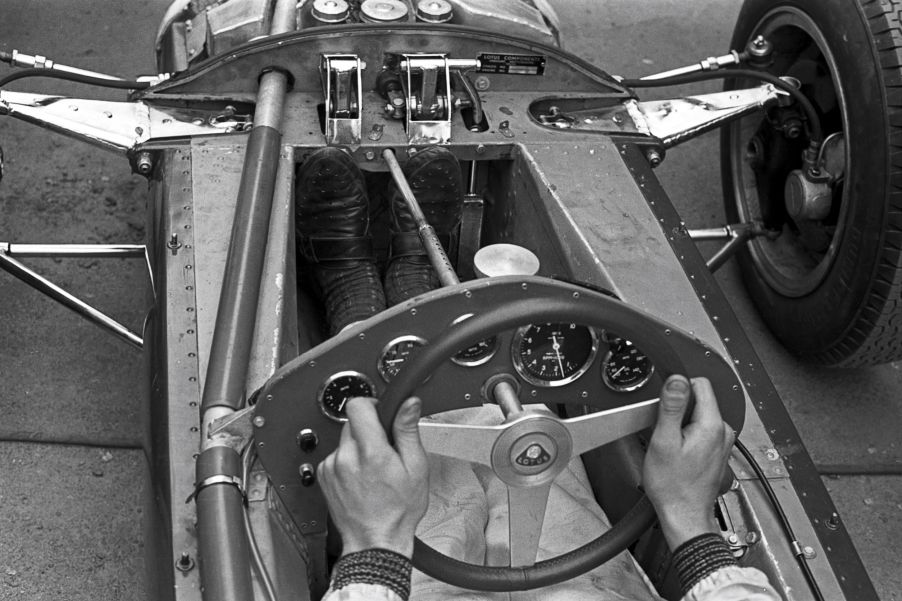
(341, 76)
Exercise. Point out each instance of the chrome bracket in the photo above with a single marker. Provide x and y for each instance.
(681, 119)
(341, 77)
(427, 85)
(671, 121)
(118, 126)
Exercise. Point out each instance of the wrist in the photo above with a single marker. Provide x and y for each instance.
(381, 567)
(400, 545)
(680, 527)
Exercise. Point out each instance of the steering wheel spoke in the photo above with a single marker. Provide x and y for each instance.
(526, 514)
(460, 441)
(596, 429)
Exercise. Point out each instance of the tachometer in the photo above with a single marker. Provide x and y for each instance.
(553, 354)
(625, 367)
(339, 388)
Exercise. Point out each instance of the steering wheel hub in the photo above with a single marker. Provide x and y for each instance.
(532, 450)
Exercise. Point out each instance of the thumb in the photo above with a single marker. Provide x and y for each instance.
(674, 399)
(406, 430)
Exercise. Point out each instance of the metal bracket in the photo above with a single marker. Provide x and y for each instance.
(341, 76)
(42, 284)
(672, 121)
(735, 236)
(118, 126)
(427, 81)
(233, 430)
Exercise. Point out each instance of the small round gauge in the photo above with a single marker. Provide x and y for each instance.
(478, 353)
(625, 367)
(396, 353)
(553, 354)
(339, 388)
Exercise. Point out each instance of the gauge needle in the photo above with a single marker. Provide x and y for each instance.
(557, 351)
(617, 373)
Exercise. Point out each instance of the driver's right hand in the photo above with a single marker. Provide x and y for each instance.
(685, 464)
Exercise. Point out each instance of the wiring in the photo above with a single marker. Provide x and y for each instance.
(247, 459)
(784, 521)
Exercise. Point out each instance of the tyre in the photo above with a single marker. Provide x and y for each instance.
(828, 281)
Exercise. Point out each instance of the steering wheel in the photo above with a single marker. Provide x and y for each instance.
(529, 449)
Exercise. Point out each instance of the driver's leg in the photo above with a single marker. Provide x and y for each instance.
(468, 520)
(332, 231)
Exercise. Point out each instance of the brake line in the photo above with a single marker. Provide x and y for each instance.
(784, 521)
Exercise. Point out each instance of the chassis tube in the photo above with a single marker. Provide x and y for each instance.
(224, 548)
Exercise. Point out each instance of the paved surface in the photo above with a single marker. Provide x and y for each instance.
(70, 523)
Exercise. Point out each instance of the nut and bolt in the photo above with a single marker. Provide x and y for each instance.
(751, 538)
(833, 522)
(654, 157)
(174, 241)
(307, 440)
(809, 552)
(144, 163)
(482, 83)
(308, 474)
(184, 563)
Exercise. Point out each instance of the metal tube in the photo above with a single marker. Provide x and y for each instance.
(42, 284)
(437, 256)
(711, 233)
(505, 395)
(729, 249)
(223, 546)
(75, 250)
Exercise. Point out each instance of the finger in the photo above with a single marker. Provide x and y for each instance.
(407, 432)
(674, 400)
(365, 427)
(705, 410)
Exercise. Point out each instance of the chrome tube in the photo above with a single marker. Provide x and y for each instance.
(42, 284)
(437, 256)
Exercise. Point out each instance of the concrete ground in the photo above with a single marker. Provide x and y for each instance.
(70, 481)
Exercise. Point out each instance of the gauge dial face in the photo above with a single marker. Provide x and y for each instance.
(396, 353)
(553, 354)
(341, 387)
(625, 367)
(478, 353)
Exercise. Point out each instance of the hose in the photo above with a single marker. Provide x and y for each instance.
(77, 77)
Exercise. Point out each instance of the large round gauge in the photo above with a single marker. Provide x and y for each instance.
(396, 353)
(339, 388)
(625, 367)
(553, 354)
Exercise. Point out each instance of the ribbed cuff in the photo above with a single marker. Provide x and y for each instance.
(700, 556)
(374, 566)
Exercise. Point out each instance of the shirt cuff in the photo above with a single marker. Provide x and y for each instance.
(373, 566)
(700, 556)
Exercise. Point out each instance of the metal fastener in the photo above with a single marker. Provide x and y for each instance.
(308, 474)
(259, 421)
(184, 563)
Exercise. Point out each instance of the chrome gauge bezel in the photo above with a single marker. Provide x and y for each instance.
(321, 391)
(479, 360)
(380, 364)
(621, 387)
(547, 383)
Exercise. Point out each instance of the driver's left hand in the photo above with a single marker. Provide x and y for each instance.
(377, 493)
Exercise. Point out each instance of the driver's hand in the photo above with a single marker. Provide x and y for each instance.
(685, 465)
(377, 493)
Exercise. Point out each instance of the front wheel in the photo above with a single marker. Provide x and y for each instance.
(829, 281)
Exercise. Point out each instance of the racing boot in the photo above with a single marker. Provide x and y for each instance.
(332, 229)
(434, 176)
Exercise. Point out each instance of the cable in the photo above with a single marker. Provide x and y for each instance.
(247, 458)
(78, 77)
(816, 134)
(784, 521)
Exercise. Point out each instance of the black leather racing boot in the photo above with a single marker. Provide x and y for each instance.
(434, 176)
(332, 230)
